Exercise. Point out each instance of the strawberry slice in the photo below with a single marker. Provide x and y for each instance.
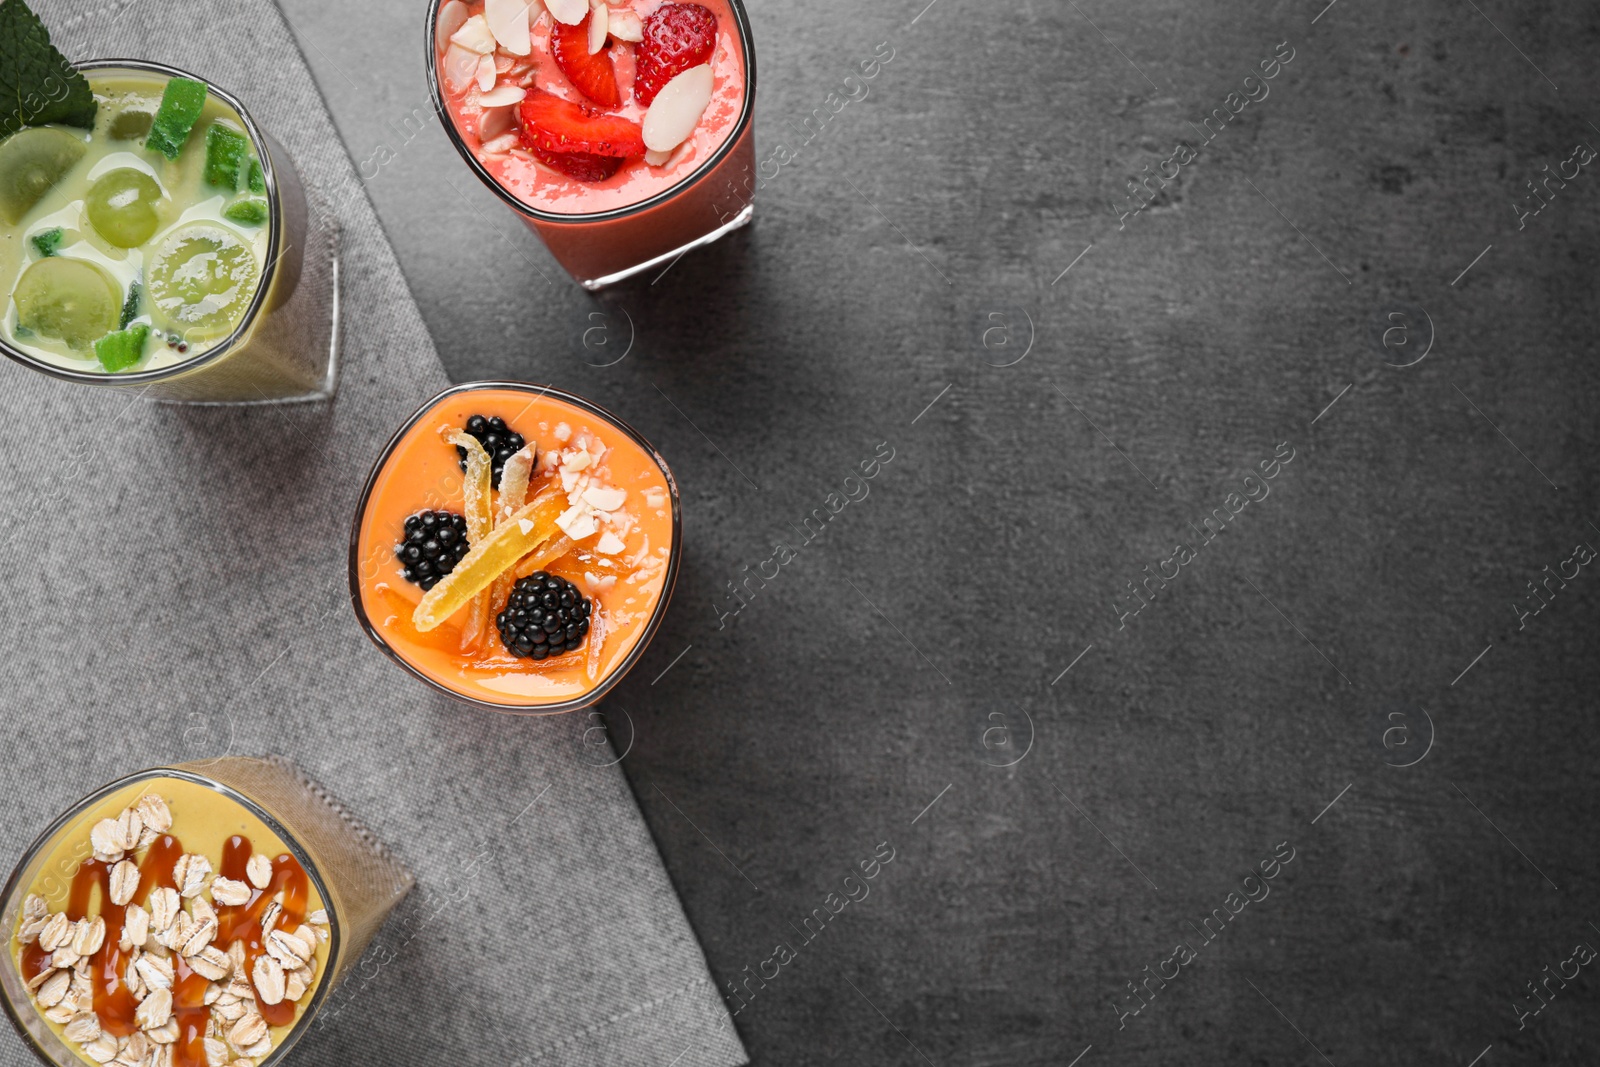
(592, 75)
(584, 166)
(556, 125)
(676, 37)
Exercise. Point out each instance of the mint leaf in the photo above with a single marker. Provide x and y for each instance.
(38, 85)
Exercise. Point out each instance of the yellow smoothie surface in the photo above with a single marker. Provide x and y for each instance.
(169, 915)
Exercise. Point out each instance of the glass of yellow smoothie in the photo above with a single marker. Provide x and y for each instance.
(166, 246)
(190, 916)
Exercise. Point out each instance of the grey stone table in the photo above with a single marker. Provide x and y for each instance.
(1308, 782)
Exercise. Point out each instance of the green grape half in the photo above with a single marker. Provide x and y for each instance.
(32, 161)
(68, 300)
(125, 207)
(200, 281)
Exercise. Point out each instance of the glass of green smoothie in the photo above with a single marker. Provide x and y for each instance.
(165, 243)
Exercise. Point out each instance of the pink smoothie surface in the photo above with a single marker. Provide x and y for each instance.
(545, 189)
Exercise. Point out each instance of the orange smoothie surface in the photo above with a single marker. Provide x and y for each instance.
(622, 567)
(545, 189)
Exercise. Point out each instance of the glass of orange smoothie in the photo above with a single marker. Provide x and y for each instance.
(189, 915)
(516, 547)
(619, 130)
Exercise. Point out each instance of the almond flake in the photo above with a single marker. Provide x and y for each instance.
(460, 67)
(599, 24)
(56, 932)
(54, 989)
(567, 12)
(154, 1012)
(563, 432)
(658, 159)
(508, 21)
(626, 25)
(487, 72)
(577, 522)
(605, 499)
(229, 893)
(504, 96)
(475, 36)
(453, 14)
(259, 871)
(269, 980)
(609, 544)
(677, 108)
(655, 498)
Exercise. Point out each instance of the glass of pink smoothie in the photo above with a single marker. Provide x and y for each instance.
(618, 130)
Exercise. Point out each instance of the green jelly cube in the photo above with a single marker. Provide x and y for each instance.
(227, 151)
(48, 241)
(181, 104)
(130, 307)
(121, 350)
(258, 177)
(250, 211)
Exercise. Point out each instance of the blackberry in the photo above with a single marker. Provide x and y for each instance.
(497, 439)
(435, 542)
(545, 616)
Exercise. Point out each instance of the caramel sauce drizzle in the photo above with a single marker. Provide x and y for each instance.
(114, 1002)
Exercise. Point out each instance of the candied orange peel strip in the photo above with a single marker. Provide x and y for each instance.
(479, 508)
(514, 479)
(528, 527)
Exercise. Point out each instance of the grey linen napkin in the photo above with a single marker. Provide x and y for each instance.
(175, 590)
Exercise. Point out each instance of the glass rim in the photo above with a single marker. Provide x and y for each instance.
(40, 843)
(741, 19)
(604, 686)
(268, 271)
